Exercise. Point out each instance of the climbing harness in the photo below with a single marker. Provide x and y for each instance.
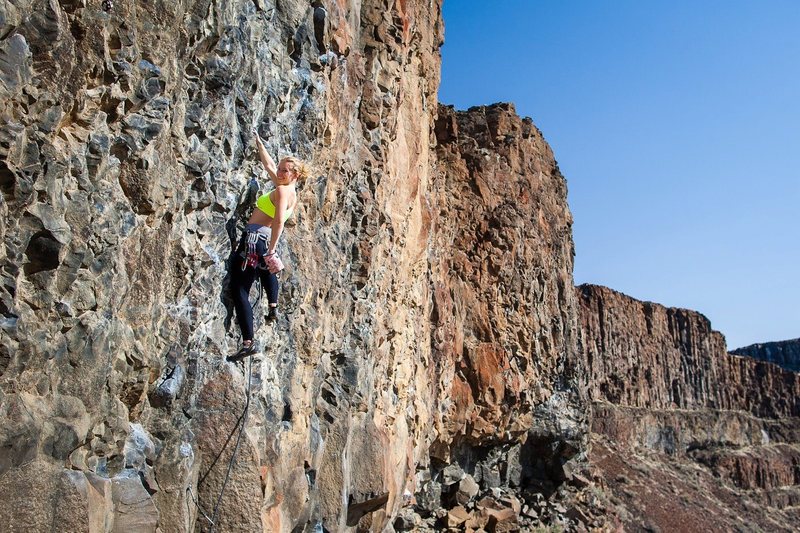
(252, 257)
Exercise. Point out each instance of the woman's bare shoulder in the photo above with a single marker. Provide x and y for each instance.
(284, 192)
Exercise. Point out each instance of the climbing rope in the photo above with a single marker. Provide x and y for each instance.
(242, 418)
(243, 421)
(197, 503)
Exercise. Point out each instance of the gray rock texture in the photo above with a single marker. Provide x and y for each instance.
(432, 365)
(785, 354)
(504, 313)
(125, 162)
(408, 338)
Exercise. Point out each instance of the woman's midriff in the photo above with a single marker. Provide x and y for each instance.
(260, 217)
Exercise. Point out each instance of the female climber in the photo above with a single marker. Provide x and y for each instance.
(257, 253)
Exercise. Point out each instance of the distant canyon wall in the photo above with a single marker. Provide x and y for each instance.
(641, 354)
(785, 354)
(670, 404)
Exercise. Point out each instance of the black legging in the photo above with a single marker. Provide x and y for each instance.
(242, 281)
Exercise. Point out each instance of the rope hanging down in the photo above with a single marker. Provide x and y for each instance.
(243, 421)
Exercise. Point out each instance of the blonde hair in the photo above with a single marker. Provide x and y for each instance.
(300, 169)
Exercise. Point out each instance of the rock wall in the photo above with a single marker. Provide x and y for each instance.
(504, 313)
(642, 354)
(409, 337)
(785, 354)
(126, 167)
(432, 365)
(512, 414)
(685, 435)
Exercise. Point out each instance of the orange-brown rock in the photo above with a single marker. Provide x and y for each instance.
(426, 308)
(685, 434)
(642, 354)
(503, 332)
(427, 345)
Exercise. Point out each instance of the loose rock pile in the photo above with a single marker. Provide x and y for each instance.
(500, 496)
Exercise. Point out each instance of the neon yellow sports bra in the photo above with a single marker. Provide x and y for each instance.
(264, 203)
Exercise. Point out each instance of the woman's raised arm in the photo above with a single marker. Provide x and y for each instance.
(266, 160)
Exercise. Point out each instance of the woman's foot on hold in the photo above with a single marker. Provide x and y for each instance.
(272, 314)
(248, 348)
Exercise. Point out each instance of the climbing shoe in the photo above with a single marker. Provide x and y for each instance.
(272, 314)
(245, 351)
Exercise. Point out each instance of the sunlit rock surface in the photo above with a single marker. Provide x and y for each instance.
(126, 161)
(409, 337)
(432, 365)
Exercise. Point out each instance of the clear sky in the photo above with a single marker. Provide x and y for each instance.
(677, 126)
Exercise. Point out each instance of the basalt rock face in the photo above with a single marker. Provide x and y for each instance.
(432, 366)
(504, 312)
(409, 341)
(785, 354)
(642, 354)
(125, 160)
(511, 419)
(684, 434)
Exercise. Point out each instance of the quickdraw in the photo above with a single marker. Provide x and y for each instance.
(251, 255)
(108, 5)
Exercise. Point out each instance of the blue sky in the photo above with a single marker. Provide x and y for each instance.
(677, 126)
